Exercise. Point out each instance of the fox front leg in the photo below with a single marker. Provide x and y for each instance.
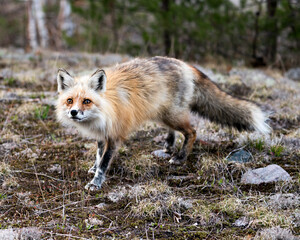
(100, 149)
(102, 167)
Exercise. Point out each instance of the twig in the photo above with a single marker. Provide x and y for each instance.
(235, 150)
(67, 235)
(39, 174)
(109, 228)
(38, 180)
(67, 205)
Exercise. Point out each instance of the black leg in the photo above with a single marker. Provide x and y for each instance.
(101, 169)
(189, 139)
(99, 154)
(170, 141)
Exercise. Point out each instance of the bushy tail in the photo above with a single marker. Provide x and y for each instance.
(216, 105)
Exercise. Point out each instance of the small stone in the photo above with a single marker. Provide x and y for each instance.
(284, 201)
(8, 234)
(55, 168)
(271, 173)
(89, 145)
(9, 146)
(21, 233)
(293, 73)
(187, 204)
(91, 222)
(117, 195)
(160, 138)
(100, 206)
(275, 233)
(241, 222)
(161, 154)
(241, 156)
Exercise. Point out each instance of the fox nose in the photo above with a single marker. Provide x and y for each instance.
(74, 113)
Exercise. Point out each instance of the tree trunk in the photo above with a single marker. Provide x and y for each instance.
(37, 29)
(114, 24)
(256, 32)
(272, 30)
(31, 28)
(64, 18)
(166, 31)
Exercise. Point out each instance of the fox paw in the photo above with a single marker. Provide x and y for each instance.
(168, 149)
(176, 161)
(92, 170)
(96, 182)
(92, 187)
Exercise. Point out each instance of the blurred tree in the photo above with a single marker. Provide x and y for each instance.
(65, 24)
(189, 29)
(272, 30)
(37, 28)
(64, 18)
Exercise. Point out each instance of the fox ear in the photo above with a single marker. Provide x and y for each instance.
(98, 81)
(64, 80)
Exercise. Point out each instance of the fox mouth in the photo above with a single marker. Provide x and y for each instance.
(77, 119)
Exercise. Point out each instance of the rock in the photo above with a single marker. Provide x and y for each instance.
(8, 234)
(28, 153)
(32, 233)
(253, 77)
(275, 233)
(9, 146)
(161, 154)
(293, 73)
(241, 156)
(55, 168)
(91, 222)
(117, 194)
(186, 204)
(160, 138)
(284, 201)
(296, 218)
(100, 206)
(271, 173)
(241, 222)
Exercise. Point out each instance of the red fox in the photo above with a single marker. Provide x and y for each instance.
(111, 103)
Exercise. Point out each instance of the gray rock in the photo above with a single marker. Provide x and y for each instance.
(284, 201)
(117, 194)
(55, 168)
(32, 233)
(271, 173)
(241, 222)
(187, 204)
(293, 73)
(8, 234)
(275, 233)
(296, 218)
(161, 154)
(241, 156)
(253, 77)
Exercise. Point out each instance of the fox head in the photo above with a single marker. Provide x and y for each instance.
(81, 100)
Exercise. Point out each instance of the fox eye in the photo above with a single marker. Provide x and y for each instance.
(86, 101)
(70, 101)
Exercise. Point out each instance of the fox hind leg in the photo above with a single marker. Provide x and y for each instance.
(183, 125)
(170, 141)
